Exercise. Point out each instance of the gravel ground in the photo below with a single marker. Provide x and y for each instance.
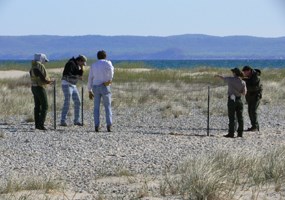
(128, 162)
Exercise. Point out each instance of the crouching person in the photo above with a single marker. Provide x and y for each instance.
(73, 71)
(236, 88)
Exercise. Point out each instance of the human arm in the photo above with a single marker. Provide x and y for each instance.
(43, 78)
(219, 76)
(72, 69)
(244, 90)
(253, 83)
(89, 84)
(109, 74)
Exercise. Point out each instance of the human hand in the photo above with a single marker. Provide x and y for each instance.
(108, 83)
(50, 82)
(91, 95)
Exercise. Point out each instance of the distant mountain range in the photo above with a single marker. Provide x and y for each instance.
(180, 47)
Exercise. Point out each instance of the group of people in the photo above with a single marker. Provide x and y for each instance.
(99, 83)
(245, 82)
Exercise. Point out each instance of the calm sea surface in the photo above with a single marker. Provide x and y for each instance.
(173, 64)
(176, 64)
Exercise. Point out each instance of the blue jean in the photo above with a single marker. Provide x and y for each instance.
(70, 91)
(104, 92)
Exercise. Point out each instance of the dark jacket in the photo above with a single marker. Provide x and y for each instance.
(72, 71)
(253, 83)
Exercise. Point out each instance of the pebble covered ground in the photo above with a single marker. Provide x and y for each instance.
(128, 162)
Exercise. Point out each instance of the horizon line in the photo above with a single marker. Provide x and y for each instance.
(175, 35)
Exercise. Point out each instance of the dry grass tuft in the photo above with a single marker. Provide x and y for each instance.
(224, 175)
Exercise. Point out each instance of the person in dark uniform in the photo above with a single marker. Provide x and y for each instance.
(254, 94)
(236, 88)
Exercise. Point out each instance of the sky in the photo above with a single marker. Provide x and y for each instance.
(262, 18)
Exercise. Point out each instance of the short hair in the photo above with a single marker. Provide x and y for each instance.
(101, 54)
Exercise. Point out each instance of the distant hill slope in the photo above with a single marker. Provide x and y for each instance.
(178, 47)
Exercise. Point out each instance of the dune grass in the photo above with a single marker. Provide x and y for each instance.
(176, 88)
(224, 175)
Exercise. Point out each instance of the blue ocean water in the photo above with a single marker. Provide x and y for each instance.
(178, 64)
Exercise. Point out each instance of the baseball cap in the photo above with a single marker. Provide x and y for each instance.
(83, 58)
(40, 57)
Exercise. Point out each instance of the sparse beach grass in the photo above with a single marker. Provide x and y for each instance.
(133, 84)
(220, 175)
(223, 175)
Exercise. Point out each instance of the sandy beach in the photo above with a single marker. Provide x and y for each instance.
(12, 74)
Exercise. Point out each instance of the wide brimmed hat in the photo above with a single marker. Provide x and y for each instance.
(237, 72)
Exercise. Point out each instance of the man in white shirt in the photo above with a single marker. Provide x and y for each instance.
(99, 86)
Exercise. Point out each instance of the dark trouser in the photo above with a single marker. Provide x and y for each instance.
(41, 105)
(253, 103)
(235, 110)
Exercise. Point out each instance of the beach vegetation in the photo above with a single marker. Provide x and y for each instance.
(224, 175)
(140, 87)
(2, 134)
(25, 187)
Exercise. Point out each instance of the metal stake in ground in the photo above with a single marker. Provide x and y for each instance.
(82, 103)
(208, 117)
(54, 105)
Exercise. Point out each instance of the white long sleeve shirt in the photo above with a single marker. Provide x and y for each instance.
(100, 72)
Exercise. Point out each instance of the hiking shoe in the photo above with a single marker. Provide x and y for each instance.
(229, 136)
(63, 124)
(109, 128)
(252, 129)
(78, 124)
(42, 128)
(96, 128)
(240, 134)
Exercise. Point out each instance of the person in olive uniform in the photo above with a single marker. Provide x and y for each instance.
(254, 94)
(40, 80)
(236, 88)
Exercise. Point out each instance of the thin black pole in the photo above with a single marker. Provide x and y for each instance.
(82, 103)
(208, 118)
(54, 105)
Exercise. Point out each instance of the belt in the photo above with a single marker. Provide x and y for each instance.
(236, 97)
